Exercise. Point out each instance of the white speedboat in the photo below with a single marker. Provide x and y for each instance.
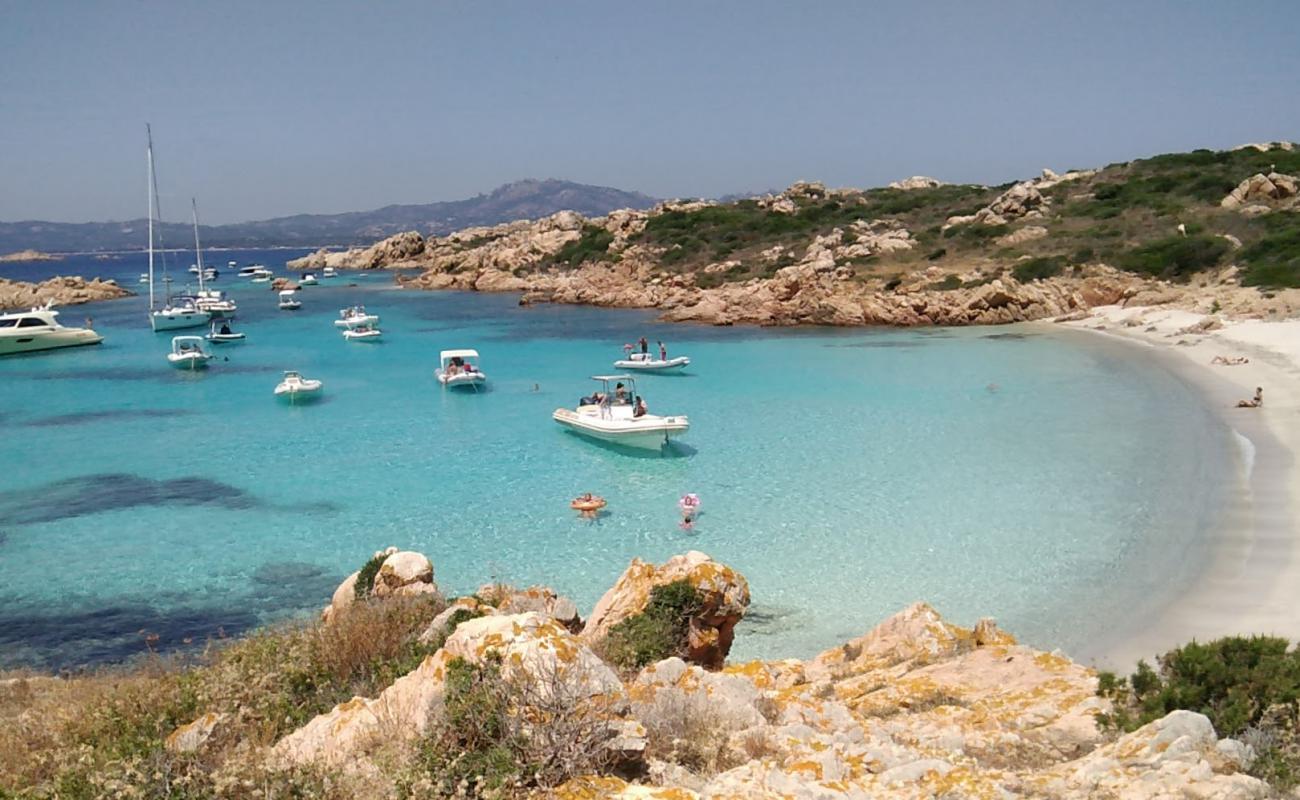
(216, 303)
(329, 272)
(612, 416)
(288, 302)
(28, 331)
(248, 271)
(223, 334)
(349, 317)
(307, 279)
(295, 388)
(144, 277)
(210, 274)
(459, 368)
(261, 277)
(362, 332)
(646, 363)
(194, 269)
(188, 353)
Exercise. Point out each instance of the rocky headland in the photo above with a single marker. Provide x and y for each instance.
(511, 693)
(1190, 230)
(60, 290)
(27, 255)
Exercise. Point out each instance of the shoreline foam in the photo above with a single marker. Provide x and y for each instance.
(1250, 583)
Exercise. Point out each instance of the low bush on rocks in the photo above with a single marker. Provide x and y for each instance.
(658, 632)
(366, 575)
(1037, 269)
(1249, 687)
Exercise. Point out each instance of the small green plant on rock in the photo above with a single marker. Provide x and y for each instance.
(366, 576)
(658, 632)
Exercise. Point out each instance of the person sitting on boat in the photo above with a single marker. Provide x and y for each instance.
(639, 410)
(663, 352)
(620, 394)
(645, 346)
(225, 327)
(1254, 402)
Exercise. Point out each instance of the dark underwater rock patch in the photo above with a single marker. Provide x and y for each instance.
(110, 415)
(92, 494)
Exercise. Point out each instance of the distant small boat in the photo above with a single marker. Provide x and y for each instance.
(307, 279)
(349, 317)
(188, 353)
(194, 269)
(329, 272)
(295, 387)
(144, 277)
(288, 302)
(645, 363)
(457, 368)
(223, 335)
(363, 332)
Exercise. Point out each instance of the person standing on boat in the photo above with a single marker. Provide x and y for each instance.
(645, 346)
(663, 351)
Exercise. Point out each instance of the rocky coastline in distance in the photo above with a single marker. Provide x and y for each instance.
(1199, 230)
(511, 693)
(24, 256)
(59, 291)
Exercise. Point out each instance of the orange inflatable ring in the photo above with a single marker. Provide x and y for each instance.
(587, 506)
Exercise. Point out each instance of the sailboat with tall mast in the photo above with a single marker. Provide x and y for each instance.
(212, 301)
(183, 314)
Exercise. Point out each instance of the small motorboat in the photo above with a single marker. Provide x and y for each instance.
(210, 273)
(307, 279)
(619, 416)
(194, 269)
(295, 388)
(458, 368)
(261, 277)
(329, 272)
(356, 315)
(216, 303)
(362, 332)
(647, 363)
(144, 277)
(223, 334)
(188, 353)
(288, 302)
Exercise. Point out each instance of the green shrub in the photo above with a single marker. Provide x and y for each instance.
(1083, 255)
(1233, 681)
(592, 245)
(1175, 256)
(366, 576)
(658, 632)
(1274, 260)
(937, 254)
(949, 283)
(1037, 269)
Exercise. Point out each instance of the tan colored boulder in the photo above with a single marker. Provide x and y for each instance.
(916, 182)
(404, 573)
(1021, 235)
(344, 596)
(60, 291)
(722, 593)
(531, 649)
(191, 737)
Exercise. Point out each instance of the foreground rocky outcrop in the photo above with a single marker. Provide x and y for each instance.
(60, 290)
(915, 708)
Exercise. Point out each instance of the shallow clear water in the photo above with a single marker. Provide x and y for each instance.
(1041, 477)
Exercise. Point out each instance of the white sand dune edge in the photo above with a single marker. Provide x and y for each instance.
(1251, 584)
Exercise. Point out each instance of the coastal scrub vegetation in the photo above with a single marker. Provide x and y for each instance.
(1127, 215)
(659, 632)
(1249, 688)
(104, 732)
(366, 575)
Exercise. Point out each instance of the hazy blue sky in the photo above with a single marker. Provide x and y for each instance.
(271, 108)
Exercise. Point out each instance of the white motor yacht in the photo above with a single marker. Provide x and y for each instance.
(223, 334)
(28, 331)
(263, 276)
(611, 416)
(459, 368)
(247, 271)
(216, 303)
(647, 363)
(288, 302)
(308, 279)
(295, 388)
(349, 317)
(362, 332)
(188, 353)
(329, 272)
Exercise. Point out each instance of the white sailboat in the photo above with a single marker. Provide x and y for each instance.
(212, 301)
(169, 317)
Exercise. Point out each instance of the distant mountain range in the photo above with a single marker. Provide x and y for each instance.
(527, 199)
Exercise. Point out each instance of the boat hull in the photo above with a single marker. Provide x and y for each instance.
(189, 361)
(224, 338)
(651, 434)
(654, 365)
(467, 379)
(33, 342)
(179, 321)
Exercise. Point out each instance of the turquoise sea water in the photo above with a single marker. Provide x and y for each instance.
(1042, 477)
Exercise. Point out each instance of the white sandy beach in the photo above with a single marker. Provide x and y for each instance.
(1251, 584)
